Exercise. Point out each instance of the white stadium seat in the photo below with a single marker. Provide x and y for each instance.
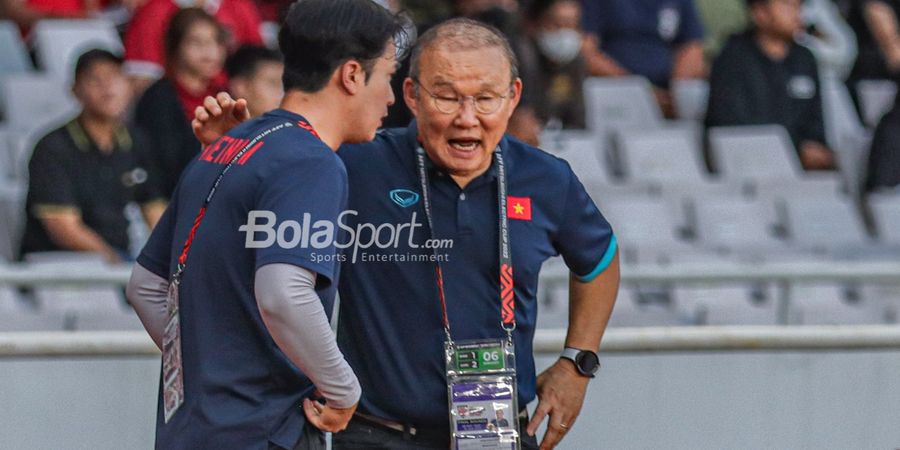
(59, 43)
(620, 103)
(876, 97)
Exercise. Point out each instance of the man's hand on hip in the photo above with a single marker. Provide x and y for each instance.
(326, 418)
(560, 391)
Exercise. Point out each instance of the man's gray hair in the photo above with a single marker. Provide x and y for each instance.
(463, 34)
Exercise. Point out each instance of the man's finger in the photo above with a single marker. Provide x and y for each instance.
(212, 106)
(311, 414)
(201, 114)
(224, 98)
(241, 112)
(552, 437)
(539, 414)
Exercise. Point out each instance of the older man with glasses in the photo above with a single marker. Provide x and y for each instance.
(449, 222)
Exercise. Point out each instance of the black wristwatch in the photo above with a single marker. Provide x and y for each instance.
(586, 362)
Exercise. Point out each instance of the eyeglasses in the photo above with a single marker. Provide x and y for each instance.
(484, 103)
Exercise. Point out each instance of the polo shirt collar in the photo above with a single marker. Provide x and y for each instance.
(84, 143)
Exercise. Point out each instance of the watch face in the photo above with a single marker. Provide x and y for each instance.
(587, 362)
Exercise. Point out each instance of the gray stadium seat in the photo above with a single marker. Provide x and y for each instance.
(726, 304)
(620, 103)
(585, 152)
(885, 297)
(645, 221)
(845, 133)
(886, 214)
(23, 320)
(38, 101)
(14, 58)
(13, 54)
(876, 97)
(113, 320)
(831, 304)
(670, 154)
(74, 299)
(60, 42)
(690, 99)
(729, 223)
(754, 153)
(636, 307)
(825, 223)
(12, 219)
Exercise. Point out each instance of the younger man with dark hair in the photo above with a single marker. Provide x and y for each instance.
(244, 329)
(254, 74)
(764, 77)
(83, 174)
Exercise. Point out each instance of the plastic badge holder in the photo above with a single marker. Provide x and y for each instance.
(483, 397)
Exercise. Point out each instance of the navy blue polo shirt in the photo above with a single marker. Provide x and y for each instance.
(241, 391)
(642, 35)
(390, 317)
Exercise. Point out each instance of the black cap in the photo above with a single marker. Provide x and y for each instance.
(93, 56)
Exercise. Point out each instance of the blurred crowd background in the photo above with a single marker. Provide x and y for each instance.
(706, 130)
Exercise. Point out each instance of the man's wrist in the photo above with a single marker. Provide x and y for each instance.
(585, 362)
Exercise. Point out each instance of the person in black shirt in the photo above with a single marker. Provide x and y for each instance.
(195, 56)
(83, 174)
(763, 77)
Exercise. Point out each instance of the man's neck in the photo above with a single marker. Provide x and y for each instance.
(775, 47)
(323, 113)
(101, 130)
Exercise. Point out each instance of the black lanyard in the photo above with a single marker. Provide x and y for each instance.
(182, 259)
(507, 294)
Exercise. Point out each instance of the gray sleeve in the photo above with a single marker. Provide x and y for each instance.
(147, 293)
(294, 316)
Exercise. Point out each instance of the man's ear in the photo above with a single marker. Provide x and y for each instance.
(409, 96)
(238, 87)
(352, 76)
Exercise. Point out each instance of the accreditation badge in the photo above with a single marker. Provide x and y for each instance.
(172, 379)
(483, 397)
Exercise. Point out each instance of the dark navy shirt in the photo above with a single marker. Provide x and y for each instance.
(390, 317)
(241, 391)
(642, 35)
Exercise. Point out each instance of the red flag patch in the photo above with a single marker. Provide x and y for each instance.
(518, 208)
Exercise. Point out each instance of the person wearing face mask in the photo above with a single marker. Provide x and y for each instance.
(553, 69)
(763, 76)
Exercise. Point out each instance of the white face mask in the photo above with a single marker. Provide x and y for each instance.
(561, 46)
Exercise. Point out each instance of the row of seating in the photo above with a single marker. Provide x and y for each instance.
(740, 304)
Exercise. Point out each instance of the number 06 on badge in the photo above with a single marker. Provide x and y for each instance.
(481, 382)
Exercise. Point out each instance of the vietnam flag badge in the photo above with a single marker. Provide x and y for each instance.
(518, 208)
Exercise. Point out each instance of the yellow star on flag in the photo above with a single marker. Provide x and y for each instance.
(519, 209)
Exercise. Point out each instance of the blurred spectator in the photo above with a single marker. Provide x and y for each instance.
(876, 25)
(552, 67)
(144, 40)
(764, 77)
(525, 125)
(658, 39)
(83, 174)
(195, 55)
(884, 157)
(254, 74)
(829, 37)
(721, 19)
(26, 12)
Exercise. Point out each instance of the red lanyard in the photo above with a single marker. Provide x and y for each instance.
(507, 293)
(182, 259)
